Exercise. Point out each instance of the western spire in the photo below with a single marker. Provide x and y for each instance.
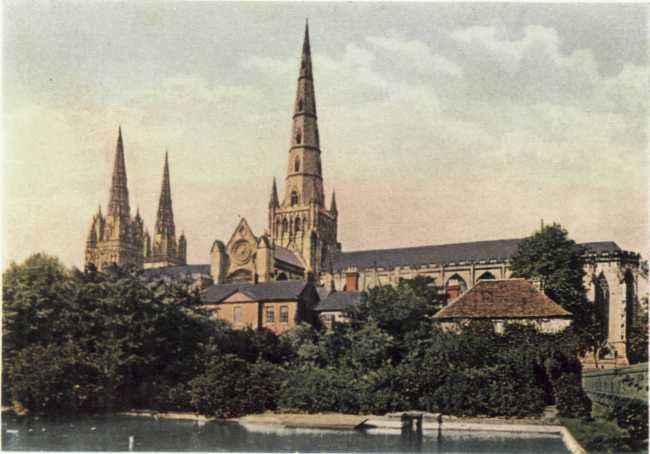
(118, 204)
(274, 202)
(333, 208)
(165, 217)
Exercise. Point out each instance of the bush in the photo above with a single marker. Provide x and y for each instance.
(597, 435)
(631, 415)
(313, 390)
(232, 387)
(570, 398)
(56, 380)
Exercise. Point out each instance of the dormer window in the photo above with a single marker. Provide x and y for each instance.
(298, 136)
(296, 165)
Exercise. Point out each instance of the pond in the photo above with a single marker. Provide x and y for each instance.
(111, 433)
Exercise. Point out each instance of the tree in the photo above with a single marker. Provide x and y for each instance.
(554, 260)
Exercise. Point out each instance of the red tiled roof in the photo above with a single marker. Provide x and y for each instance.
(508, 298)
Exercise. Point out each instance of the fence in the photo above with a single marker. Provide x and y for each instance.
(604, 386)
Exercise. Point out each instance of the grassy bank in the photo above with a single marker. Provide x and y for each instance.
(600, 435)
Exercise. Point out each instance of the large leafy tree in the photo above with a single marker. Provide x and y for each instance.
(554, 260)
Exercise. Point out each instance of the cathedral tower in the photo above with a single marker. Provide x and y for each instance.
(116, 238)
(300, 221)
(165, 250)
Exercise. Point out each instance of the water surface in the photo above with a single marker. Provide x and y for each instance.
(111, 433)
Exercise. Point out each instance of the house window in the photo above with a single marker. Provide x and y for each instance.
(236, 314)
(284, 314)
(270, 315)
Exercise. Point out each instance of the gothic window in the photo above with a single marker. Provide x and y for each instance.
(297, 225)
(602, 303)
(277, 228)
(630, 305)
(296, 165)
(294, 198)
(285, 227)
(318, 166)
(298, 136)
(487, 276)
(304, 224)
(300, 105)
(455, 286)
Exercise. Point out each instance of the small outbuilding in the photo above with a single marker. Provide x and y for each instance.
(503, 302)
(332, 308)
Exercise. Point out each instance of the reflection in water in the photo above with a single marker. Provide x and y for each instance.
(111, 433)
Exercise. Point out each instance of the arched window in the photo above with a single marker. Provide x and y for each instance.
(277, 228)
(300, 105)
(298, 137)
(304, 224)
(318, 167)
(487, 276)
(630, 305)
(296, 165)
(602, 304)
(455, 286)
(296, 228)
(294, 198)
(285, 226)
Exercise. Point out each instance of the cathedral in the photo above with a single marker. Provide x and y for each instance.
(300, 244)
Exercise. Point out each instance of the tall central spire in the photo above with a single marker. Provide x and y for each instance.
(165, 217)
(118, 204)
(304, 182)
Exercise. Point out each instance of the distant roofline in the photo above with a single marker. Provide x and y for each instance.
(405, 248)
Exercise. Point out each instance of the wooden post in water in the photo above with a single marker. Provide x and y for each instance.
(130, 442)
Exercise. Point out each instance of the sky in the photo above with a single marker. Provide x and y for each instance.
(439, 123)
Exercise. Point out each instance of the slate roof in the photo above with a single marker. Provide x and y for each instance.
(263, 291)
(505, 298)
(338, 301)
(443, 254)
(287, 256)
(323, 292)
(178, 271)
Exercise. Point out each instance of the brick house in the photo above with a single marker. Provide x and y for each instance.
(277, 306)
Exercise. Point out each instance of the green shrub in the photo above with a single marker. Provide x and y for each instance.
(597, 435)
(313, 390)
(570, 398)
(631, 415)
(56, 380)
(232, 387)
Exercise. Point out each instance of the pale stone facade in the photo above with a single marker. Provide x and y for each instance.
(119, 239)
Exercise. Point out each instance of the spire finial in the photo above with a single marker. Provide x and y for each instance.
(118, 204)
(333, 208)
